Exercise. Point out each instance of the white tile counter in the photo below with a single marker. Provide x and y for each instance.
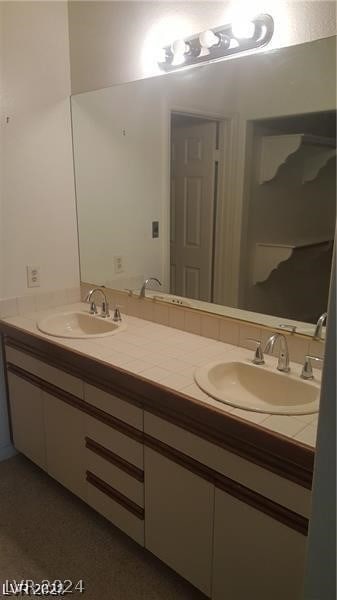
(168, 356)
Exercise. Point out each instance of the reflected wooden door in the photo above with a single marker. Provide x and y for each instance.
(193, 151)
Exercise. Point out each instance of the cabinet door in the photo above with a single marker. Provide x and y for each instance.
(179, 518)
(27, 418)
(65, 444)
(255, 556)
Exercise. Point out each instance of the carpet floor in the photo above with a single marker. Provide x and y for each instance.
(46, 533)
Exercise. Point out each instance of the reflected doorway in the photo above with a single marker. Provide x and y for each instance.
(194, 173)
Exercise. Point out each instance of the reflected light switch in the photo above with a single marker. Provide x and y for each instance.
(155, 229)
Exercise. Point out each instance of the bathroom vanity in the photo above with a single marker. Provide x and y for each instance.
(223, 501)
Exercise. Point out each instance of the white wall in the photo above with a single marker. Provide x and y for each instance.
(1, 141)
(37, 200)
(6, 449)
(113, 42)
(38, 209)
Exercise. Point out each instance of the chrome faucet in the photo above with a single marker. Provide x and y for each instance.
(105, 305)
(307, 372)
(258, 354)
(283, 358)
(143, 288)
(319, 326)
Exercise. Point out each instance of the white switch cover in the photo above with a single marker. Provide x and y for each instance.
(118, 263)
(33, 276)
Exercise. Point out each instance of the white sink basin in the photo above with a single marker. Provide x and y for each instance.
(78, 325)
(256, 388)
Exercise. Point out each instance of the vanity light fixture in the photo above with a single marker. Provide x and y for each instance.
(217, 43)
(243, 30)
(208, 39)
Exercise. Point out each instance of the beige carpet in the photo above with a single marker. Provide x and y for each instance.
(47, 533)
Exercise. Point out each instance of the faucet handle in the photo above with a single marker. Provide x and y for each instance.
(93, 308)
(117, 317)
(105, 310)
(307, 372)
(258, 355)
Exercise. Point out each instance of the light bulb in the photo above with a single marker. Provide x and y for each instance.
(179, 47)
(180, 50)
(243, 30)
(208, 39)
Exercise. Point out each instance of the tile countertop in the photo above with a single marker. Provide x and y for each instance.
(169, 357)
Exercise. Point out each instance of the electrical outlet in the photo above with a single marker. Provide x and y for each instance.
(33, 276)
(118, 263)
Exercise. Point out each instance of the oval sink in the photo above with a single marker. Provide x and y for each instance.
(78, 325)
(255, 388)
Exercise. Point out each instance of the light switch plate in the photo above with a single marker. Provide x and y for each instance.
(155, 229)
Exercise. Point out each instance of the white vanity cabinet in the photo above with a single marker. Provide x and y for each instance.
(255, 556)
(87, 439)
(65, 450)
(237, 544)
(179, 518)
(48, 431)
(27, 418)
(230, 526)
(114, 461)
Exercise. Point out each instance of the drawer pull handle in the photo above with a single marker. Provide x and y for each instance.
(115, 495)
(114, 459)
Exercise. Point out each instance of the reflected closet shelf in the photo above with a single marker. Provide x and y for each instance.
(315, 152)
(269, 255)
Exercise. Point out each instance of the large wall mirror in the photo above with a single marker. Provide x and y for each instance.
(219, 181)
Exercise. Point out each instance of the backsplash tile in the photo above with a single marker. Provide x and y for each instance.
(73, 295)
(192, 322)
(26, 305)
(224, 329)
(210, 327)
(177, 318)
(249, 331)
(229, 332)
(44, 301)
(9, 307)
(133, 306)
(316, 348)
(60, 297)
(298, 348)
(23, 305)
(161, 314)
(146, 310)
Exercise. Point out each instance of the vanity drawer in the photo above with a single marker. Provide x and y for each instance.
(121, 516)
(40, 369)
(119, 443)
(125, 411)
(279, 489)
(119, 474)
